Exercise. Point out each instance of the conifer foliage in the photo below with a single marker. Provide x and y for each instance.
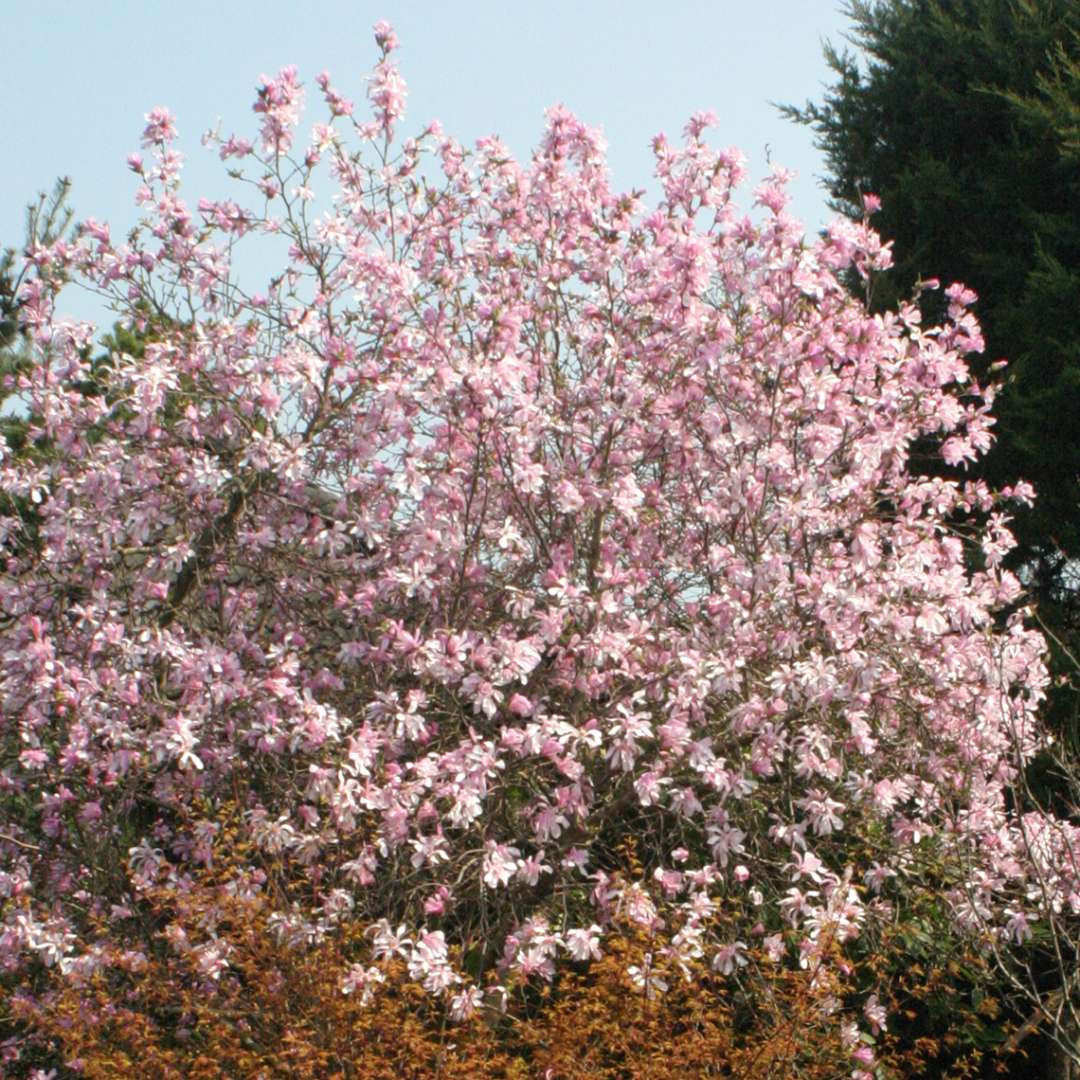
(961, 116)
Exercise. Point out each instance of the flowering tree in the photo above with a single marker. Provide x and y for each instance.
(509, 521)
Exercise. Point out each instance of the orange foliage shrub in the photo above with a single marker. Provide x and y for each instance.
(278, 1011)
(270, 1009)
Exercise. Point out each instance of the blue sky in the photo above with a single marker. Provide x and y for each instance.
(77, 78)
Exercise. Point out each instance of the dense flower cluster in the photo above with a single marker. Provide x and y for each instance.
(511, 518)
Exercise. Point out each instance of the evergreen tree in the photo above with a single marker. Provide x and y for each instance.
(963, 116)
(47, 219)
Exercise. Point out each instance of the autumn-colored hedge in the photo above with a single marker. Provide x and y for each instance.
(279, 1011)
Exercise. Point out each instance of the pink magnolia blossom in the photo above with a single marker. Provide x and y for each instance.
(583, 944)
(507, 519)
(363, 982)
(160, 129)
(729, 958)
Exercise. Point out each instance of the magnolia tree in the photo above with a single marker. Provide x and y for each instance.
(508, 522)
